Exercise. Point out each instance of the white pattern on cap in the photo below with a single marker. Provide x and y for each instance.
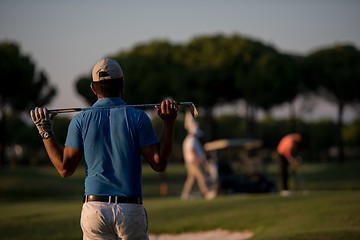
(109, 66)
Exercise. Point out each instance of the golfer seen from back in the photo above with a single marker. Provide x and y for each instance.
(112, 142)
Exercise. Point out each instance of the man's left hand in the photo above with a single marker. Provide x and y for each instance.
(168, 110)
(42, 120)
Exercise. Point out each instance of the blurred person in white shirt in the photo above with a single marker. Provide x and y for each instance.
(194, 158)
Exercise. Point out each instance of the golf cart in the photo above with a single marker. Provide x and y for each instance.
(234, 166)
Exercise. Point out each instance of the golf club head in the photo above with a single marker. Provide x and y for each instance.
(193, 111)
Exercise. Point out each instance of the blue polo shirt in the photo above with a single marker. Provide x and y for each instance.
(111, 141)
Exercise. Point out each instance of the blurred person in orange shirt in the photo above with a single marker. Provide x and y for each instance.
(287, 150)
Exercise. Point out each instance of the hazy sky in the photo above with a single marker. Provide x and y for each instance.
(66, 38)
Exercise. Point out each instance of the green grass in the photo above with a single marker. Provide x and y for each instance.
(39, 220)
(324, 176)
(268, 216)
(35, 203)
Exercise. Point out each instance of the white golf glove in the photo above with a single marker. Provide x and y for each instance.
(43, 121)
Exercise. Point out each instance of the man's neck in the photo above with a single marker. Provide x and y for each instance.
(99, 97)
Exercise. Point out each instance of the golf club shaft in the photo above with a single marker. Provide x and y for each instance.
(69, 110)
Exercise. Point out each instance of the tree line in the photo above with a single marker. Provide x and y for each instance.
(207, 70)
(212, 70)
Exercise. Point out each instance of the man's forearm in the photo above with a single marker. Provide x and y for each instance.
(65, 160)
(166, 142)
(55, 153)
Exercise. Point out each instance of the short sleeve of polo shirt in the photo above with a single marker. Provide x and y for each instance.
(147, 135)
(74, 135)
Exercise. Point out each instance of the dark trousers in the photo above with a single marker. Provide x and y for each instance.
(284, 172)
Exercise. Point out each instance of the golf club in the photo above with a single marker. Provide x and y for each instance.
(193, 109)
(298, 177)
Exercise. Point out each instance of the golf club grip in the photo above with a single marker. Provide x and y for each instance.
(65, 110)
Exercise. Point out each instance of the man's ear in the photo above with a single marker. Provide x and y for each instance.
(93, 88)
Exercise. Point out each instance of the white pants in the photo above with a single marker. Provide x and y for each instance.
(194, 173)
(123, 221)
